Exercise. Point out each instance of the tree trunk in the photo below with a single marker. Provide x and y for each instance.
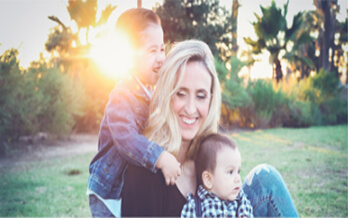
(278, 70)
(304, 69)
(347, 72)
(329, 32)
(234, 23)
(326, 41)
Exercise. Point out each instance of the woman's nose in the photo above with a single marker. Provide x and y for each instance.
(190, 106)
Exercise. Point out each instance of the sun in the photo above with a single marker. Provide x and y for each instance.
(113, 53)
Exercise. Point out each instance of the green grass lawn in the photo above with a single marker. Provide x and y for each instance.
(312, 161)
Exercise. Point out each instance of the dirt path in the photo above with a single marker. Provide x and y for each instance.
(21, 154)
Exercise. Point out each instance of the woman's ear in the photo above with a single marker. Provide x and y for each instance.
(207, 179)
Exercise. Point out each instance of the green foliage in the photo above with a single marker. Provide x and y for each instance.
(268, 105)
(39, 99)
(234, 95)
(316, 101)
(195, 19)
(333, 108)
(312, 101)
(83, 12)
(9, 78)
(63, 99)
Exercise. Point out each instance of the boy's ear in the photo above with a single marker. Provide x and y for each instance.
(207, 180)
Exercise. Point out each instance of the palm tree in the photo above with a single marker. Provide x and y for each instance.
(84, 14)
(275, 36)
(301, 56)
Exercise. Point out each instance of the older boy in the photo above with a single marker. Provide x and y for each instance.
(120, 140)
(219, 194)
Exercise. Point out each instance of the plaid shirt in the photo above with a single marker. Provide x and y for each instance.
(212, 206)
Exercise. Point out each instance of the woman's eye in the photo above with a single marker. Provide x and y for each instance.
(180, 94)
(230, 172)
(201, 96)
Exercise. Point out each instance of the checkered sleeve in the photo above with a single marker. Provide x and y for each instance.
(245, 209)
(189, 209)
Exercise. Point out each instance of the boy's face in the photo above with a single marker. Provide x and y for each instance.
(225, 180)
(150, 55)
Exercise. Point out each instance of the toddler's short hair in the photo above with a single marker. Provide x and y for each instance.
(133, 21)
(208, 147)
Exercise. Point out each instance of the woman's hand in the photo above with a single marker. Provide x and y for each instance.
(170, 167)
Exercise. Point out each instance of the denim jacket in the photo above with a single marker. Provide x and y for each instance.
(120, 140)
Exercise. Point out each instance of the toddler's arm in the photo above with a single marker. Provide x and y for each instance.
(170, 167)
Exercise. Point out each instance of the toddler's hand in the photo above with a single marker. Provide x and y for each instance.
(170, 167)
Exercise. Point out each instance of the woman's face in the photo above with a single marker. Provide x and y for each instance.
(191, 102)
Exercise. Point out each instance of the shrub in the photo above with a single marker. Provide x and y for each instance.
(234, 95)
(333, 108)
(38, 99)
(316, 101)
(268, 106)
(63, 99)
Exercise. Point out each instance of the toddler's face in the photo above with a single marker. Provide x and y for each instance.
(226, 182)
(150, 55)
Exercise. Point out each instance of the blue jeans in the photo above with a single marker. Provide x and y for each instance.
(268, 193)
(98, 208)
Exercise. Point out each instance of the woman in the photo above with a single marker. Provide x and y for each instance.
(185, 105)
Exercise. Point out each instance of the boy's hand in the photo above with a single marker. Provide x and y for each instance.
(170, 167)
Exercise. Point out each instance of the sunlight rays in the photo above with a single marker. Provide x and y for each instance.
(113, 53)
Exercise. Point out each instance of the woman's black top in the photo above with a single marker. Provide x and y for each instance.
(146, 194)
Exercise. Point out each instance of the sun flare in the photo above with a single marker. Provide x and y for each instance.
(113, 53)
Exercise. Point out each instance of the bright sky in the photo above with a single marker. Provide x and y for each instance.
(24, 24)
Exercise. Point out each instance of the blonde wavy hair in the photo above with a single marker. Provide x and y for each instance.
(162, 126)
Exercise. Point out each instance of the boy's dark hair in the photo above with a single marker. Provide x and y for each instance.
(133, 21)
(208, 147)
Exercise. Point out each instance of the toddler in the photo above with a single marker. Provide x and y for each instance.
(219, 194)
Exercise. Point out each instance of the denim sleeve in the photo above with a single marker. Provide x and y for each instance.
(120, 117)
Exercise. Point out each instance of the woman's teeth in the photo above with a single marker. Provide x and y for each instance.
(188, 121)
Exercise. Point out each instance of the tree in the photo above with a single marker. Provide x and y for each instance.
(204, 20)
(275, 36)
(302, 56)
(71, 56)
(61, 39)
(83, 13)
(328, 9)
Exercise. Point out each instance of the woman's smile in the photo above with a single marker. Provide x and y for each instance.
(188, 121)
